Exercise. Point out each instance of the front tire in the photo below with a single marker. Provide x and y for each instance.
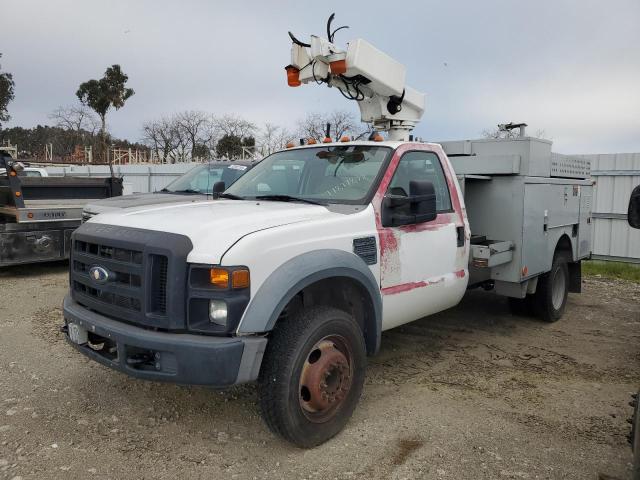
(552, 292)
(312, 375)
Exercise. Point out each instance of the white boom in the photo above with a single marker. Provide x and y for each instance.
(361, 73)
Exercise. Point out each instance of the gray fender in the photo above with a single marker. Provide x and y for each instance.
(301, 271)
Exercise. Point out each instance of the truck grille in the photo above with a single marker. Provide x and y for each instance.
(140, 276)
(122, 295)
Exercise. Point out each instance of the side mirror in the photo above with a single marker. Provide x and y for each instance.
(418, 207)
(633, 215)
(219, 187)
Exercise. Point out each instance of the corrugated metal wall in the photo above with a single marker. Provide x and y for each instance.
(616, 175)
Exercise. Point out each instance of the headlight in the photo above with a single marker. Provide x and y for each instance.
(218, 312)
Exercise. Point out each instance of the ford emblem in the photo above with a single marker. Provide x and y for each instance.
(99, 274)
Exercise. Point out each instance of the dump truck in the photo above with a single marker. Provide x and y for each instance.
(291, 276)
(38, 213)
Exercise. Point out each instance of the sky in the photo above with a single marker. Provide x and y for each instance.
(568, 68)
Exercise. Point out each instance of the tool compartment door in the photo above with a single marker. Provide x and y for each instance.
(550, 210)
(586, 226)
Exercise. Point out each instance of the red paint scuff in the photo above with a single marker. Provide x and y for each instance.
(404, 287)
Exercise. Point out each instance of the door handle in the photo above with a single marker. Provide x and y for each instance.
(460, 236)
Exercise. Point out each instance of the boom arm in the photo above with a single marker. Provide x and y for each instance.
(361, 73)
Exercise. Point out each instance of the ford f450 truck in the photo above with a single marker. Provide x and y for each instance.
(291, 276)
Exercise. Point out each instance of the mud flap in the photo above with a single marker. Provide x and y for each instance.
(575, 277)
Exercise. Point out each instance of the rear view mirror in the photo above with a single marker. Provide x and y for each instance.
(219, 187)
(418, 207)
(633, 215)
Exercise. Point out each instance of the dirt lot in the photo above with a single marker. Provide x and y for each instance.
(471, 393)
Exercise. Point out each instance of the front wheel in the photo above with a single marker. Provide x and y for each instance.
(552, 292)
(312, 375)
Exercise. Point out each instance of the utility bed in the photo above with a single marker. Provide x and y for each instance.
(522, 200)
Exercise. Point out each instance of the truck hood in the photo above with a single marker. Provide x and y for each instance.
(139, 200)
(213, 226)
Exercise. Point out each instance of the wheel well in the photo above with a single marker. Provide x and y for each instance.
(343, 293)
(564, 248)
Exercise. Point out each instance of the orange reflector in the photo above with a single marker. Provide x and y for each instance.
(29, 215)
(290, 145)
(219, 277)
(240, 279)
(18, 194)
(312, 141)
(293, 76)
(338, 67)
(378, 138)
(525, 270)
(327, 140)
(345, 139)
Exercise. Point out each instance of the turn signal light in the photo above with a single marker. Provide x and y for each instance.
(338, 67)
(290, 145)
(378, 138)
(293, 76)
(240, 279)
(219, 277)
(12, 173)
(345, 139)
(18, 194)
(312, 141)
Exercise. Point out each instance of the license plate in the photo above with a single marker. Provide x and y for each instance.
(77, 334)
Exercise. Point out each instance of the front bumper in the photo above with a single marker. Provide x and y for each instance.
(168, 357)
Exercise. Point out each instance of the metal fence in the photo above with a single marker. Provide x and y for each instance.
(615, 176)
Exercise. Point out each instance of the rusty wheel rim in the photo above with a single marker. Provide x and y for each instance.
(326, 377)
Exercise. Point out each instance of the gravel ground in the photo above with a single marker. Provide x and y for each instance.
(470, 393)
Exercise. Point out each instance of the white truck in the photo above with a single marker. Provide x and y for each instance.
(291, 277)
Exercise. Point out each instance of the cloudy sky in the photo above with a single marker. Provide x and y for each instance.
(570, 68)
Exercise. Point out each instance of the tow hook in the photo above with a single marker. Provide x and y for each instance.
(138, 359)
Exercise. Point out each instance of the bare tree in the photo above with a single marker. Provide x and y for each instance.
(76, 118)
(195, 130)
(343, 123)
(161, 136)
(232, 125)
(498, 133)
(273, 137)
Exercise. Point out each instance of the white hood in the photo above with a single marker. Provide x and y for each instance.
(213, 226)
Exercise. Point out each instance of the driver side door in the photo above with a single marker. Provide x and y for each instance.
(420, 268)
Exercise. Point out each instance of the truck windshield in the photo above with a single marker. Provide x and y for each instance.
(342, 174)
(201, 178)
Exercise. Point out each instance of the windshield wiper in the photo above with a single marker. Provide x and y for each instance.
(287, 198)
(186, 190)
(230, 196)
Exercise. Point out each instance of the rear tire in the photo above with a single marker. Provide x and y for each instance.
(312, 375)
(552, 291)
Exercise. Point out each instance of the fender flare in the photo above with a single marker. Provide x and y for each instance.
(301, 271)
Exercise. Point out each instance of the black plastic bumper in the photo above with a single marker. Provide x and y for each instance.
(168, 357)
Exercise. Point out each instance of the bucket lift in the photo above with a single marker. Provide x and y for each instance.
(362, 73)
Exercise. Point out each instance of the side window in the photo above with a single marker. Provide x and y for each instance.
(421, 166)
